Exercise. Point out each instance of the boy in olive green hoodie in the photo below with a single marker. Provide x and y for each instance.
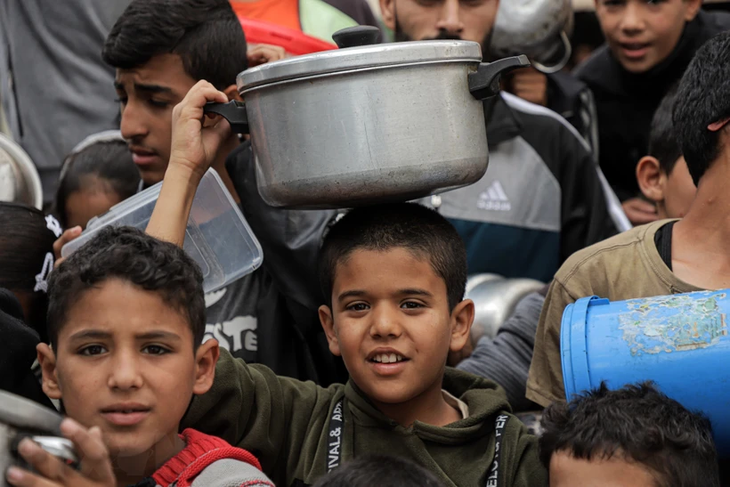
(395, 277)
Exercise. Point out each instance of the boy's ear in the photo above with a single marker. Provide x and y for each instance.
(651, 178)
(328, 323)
(47, 361)
(232, 93)
(206, 357)
(693, 7)
(462, 318)
(387, 8)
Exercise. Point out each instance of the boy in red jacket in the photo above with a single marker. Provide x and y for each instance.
(126, 324)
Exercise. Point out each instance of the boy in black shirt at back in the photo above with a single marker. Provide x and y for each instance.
(649, 45)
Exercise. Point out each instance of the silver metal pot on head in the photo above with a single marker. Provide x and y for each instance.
(21, 418)
(367, 123)
(537, 28)
(19, 179)
(495, 299)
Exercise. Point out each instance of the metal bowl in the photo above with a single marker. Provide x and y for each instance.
(495, 299)
(537, 28)
(21, 418)
(19, 179)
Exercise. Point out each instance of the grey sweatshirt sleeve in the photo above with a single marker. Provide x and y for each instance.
(229, 472)
(506, 358)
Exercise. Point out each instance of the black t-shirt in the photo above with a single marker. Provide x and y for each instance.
(663, 241)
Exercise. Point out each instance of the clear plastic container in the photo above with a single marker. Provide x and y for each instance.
(217, 236)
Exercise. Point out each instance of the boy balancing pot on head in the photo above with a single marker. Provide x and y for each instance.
(395, 278)
(631, 437)
(126, 322)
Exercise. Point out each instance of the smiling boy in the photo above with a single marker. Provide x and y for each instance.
(126, 323)
(649, 44)
(394, 279)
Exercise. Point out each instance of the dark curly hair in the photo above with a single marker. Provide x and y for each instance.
(638, 423)
(407, 225)
(131, 255)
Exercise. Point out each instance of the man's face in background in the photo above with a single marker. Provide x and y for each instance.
(418, 20)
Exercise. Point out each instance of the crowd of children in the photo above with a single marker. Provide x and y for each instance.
(338, 373)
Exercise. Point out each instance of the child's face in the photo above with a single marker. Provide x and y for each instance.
(125, 362)
(642, 33)
(679, 191)
(94, 200)
(567, 471)
(147, 96)
(673, 194)
(390, 321)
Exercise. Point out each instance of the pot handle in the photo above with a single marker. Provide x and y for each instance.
(484, 82)
(234, 111)
(567, 52)
(360, 35)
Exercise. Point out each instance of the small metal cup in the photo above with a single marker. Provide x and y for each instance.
(21, 418)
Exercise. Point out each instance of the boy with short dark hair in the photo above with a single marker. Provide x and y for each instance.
(664, 257)
(160, 49)
(649, 44)
(395, 277)
(634, 437)
(663, 175)
(126, 322)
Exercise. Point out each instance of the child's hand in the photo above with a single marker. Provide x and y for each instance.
(66, 237)
(96, 468)
(196, 137)
(640, 211)
(264, 53)
(529, 84)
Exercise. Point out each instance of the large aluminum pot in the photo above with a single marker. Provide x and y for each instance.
(21, 418)
(368, 123)
(537, 28)
(495, 299)
(19, 179)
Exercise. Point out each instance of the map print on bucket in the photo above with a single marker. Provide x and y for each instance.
(673, 323)
(680, 342)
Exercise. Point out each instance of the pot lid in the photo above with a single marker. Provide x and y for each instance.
(22, 413)
(358, 58)
(19, 179)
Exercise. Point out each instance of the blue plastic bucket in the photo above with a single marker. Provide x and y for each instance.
(680, 342)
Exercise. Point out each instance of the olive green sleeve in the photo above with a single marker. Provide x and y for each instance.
(524, 458)
(278, 419)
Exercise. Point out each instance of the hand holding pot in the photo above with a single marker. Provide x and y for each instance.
(96, 468)
(528, 84)
(196, 137)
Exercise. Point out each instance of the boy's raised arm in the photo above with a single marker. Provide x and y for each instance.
(196, 138)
